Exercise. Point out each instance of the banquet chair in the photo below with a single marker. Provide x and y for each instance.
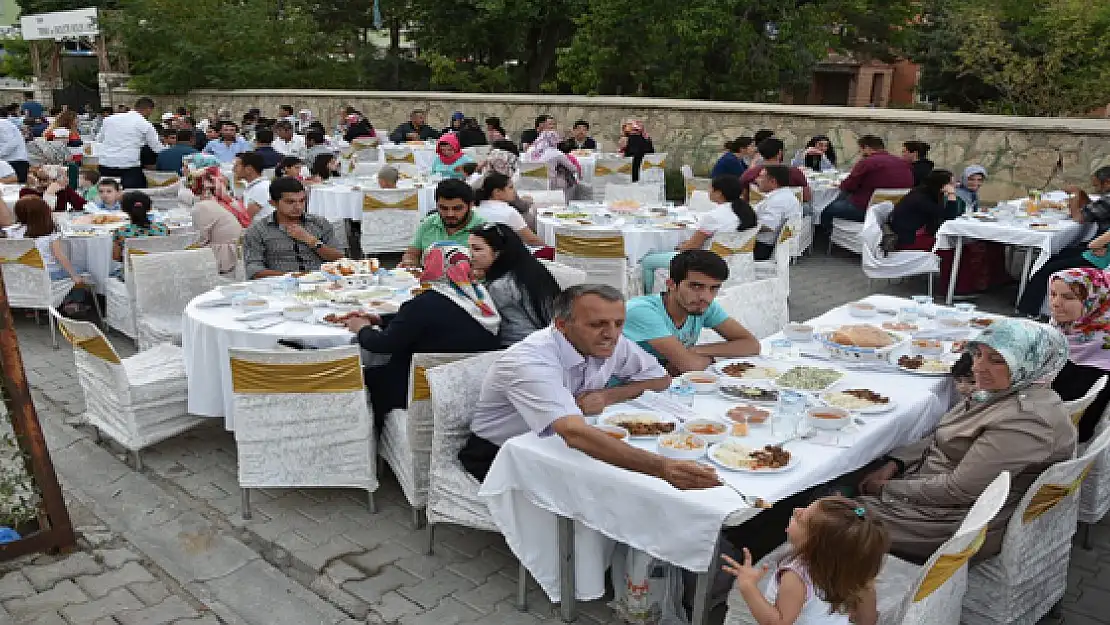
(615, 170)
(533, 176)
(778, 267)
(120, 295)
(339, 229)
(886, 265)
(645, 194)
(1027, 579)
(653, 167)
(909, 594)
(1094, 495)
(846, 233)
(759, 306)
(155, 179)
(28, 284)
(164, 284)
(406, 436)
(737, 247)
(478, 152)
(399, 155)
(803, 234)
(698, 201)
(565, 275)
(136, 401)
(302, 420)
(600, 253)
(1076, 407)
(545, 199)
(407, 171)
(389, 217)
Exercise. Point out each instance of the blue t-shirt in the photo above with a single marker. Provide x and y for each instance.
(728, 165)
(646, 319)
(32, 108)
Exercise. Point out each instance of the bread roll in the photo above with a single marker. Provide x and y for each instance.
(866, 336)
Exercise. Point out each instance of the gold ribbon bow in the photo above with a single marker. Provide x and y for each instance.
(589, 247)
(337, 376)
(785, 234)
(408, 157)
(602, 170)
(30, 258)
(421, 390)
(153, 181)
(1049, 495)
(96, 345)
(1076, 417)
(722, 250)
(409, 203)
(535, 172)
(946, 566)
(879, 198)
(648, 164)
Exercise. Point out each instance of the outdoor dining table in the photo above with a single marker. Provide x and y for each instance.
(561, 510)
(642, 236)
(344, 200)
(1012, 227)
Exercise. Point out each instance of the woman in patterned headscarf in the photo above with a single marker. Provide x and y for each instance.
(1013, 421)
(1079, 300)
(563, 170)
(453, 314)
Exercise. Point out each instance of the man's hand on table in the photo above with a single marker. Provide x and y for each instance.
(873, 482)
(689, 475)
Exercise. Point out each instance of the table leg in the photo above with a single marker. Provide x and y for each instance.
(959, 252)
(1025, 270)
(568, 610)
(700, 609)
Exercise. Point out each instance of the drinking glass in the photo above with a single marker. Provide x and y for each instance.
(907, 314)
(788, 414)
(780, 349)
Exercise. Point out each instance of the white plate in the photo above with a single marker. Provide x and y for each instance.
(874, 409)
(734, 382)
(613, 417)
(719, 367)
(946, 357)
(794, 462)
(812, 390)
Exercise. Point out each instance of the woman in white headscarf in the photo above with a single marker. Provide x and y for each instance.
(563, 170)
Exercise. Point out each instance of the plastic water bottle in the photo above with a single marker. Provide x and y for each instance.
(683, 393)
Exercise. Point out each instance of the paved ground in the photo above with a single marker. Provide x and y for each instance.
(312, 556)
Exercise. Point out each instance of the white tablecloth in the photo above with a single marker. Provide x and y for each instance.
(94, 255)
(534, 479)
(1012, 232)
(639, 241)
(342, 201)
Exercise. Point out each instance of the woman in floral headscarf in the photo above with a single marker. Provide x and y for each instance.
(635, 142)
(452, 315)
(1079, 300)
(210, 184)
(1013, 421)
(563, 170)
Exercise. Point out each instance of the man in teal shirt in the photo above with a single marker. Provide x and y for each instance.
(667, 325)
(453, 220)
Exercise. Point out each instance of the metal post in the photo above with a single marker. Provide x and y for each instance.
(370, 505)
(430, 537)
(568, 609)
(955, 269)
(417, 518)
(245, 494)
(700, 614)
(138, 460)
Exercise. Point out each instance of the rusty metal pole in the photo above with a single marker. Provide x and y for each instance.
(58, 534)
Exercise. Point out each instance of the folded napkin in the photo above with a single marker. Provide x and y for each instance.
(835, 438)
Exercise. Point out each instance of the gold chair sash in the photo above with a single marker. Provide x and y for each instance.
(421, 391)
(409, 203)
(535, 172)
(690, 188)
(602, 170)
(946, 566)
(785, 235)
(96, 345)
(589, 247)
(1049, 495)
(722, 250)
(152, 181)
(648, 164)
(337, 376)
(1076, 417)
(749, 247)
(754, 194)
(408, 157)
(30, 258)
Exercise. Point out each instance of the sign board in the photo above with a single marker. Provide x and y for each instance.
(61, 24)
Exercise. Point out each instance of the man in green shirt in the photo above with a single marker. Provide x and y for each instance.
(452, 221)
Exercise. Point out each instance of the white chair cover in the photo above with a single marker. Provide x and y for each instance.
(136, 401)
(406, 439)
(1076, 407)
(737, 247)
(653, 168)
(389, 218)
(1022, 583)
(452, 492)
(645, 194)
(545, 199)
(164, 284)
(759, 306)
(26, 280)
(564, 275)
(533, 176)
(615, 170)
(339, 227)
(607, 264)
(877, 264)
(155, 179)
(801, 243)
(778, 267)
(1094, 495)
(932, 594)
(120, 296)
(301, 419)
(698, 201)
(400, 155)
(846, 234)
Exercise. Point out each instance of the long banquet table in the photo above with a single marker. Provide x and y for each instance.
(609, 505)
(640, 239)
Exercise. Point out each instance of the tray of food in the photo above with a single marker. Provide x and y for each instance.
(640, 424)
(860, 342)
(744, 413)
(746, 369)
(981, 323)
(736, 456)
(806, 378)
(924, 365)
(748, 392)
(861, 400)
(351, 266)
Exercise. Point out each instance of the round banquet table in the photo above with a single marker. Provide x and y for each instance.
(639, 240)
(344, 201)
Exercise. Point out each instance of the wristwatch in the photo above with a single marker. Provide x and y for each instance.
(318, 245)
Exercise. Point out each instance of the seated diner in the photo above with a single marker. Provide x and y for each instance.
(288, 239)
(1080, 303)
(453, 220)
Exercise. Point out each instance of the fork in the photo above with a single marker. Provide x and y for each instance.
(751, 501)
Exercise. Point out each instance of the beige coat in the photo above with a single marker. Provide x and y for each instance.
(1022, 433)
(218, 229)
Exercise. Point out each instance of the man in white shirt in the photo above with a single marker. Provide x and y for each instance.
(121, 138)
(493, 197)
(778, 204)
(248, 167)
(13, 148)
(287, 142)
(548, 381)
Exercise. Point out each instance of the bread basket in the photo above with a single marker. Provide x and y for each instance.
(860, 354)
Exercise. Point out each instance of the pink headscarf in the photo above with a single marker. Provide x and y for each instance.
(1089, 335)
(453, 141)
(447, 268)
(220, 193)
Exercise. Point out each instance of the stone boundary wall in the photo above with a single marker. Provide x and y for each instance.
(1020, 153)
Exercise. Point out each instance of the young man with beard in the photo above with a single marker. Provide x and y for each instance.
(452, 221)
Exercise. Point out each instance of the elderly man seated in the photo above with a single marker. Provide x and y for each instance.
(289, 239)
(388, 177)
(667, 325)
(548, 381)
(453, 220)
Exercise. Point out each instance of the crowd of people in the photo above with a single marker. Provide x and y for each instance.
(568, 353)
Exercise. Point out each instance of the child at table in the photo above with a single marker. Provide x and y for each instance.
(828, 574)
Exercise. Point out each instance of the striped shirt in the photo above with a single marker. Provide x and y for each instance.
(266, 246)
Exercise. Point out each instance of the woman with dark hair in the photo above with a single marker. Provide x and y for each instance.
(915, 153)
(471, 134)
(635, 142)
(35, 216)
(731, 214)
(324, 166)
(733, 162)
(494, 204)
(137, 205)
(818, 155)
(919, 214)
(521, 287)
(358, 127)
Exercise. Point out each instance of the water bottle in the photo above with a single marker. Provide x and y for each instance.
(791, 407)
(683, 393)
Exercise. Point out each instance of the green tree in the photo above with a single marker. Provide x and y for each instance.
(16, 62)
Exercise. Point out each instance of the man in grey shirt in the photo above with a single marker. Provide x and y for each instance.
(289, 239)
(548, 381)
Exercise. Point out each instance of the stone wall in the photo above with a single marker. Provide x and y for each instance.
(1020, 153)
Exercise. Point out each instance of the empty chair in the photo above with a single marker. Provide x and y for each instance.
(399, 155)
(27, 281)
(645, 194)
(653, 167)
(389, 218)
(1094, 495)
(164, 284)
(120, 295)
(900, 264)
(760, 306)
(136, 401)
(598, 252)
(612, 170)
(846, 234)
(302, 420)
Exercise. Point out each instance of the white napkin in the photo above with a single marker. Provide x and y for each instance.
(844, 438)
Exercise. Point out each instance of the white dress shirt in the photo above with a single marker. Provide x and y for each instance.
(121, 138)
(13, 147)
(296, 147)
(536, 381)
(258, 192)
(773, 211)
(716, 220)
(498, 212)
